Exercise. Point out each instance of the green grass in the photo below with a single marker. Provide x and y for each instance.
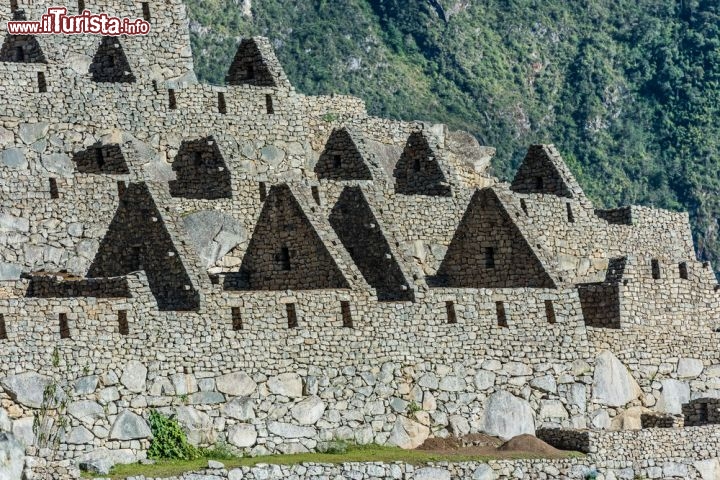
(368, 453)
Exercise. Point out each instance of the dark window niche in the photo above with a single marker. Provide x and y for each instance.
(237, 322)
(3, 328)
(550, 311)
(284, 259)
(346, 314)
(146, 11)
(501, 315)
(123, 325)
(81, 5)
(263, 191)
(64, 326)
(315, 194)
(172, 101)
(539, 183)
(450, 310)
(269, 104)
(683, 267)
(42, 83)
(54, 193)
(291, 315)
(570, 215)
(222, 106)
(489, 257)
(655, 266)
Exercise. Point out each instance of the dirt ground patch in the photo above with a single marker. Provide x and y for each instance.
(481, 444)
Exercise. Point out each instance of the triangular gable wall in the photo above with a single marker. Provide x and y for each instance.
(110, 64)
(255, 64)
(359, 231)
(489, 251)
(200, 171)
(137, 239)
(341, 159)
(418, 171)
(544, 171)
(285, 252)
(101, 159)
(21, 48)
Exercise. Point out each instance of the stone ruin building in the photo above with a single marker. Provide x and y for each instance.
(280, 270)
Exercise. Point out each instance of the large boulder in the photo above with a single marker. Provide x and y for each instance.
(129, 426)
(134, 376)
(408, 434)
(238, 384)
(241, 408)
(198, 425)
(613, 385)
(286, 384)
(213, 234)
(27, 388)
(708, 469)
(309, 411)
(673, 396)
(12, 457)
(288, 430)
(242, 435)
(507, 416)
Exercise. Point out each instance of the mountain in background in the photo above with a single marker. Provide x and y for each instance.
(629, 90)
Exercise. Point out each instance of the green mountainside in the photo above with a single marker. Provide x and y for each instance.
(629, 90)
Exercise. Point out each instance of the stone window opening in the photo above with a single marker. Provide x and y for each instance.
(291, 315)
(489, 257)
(222, 106)
(570, 215)
(337, 161)
(121, 188)
(237, 323)
(683, 267)
(284, 259)
(155, 86)
(263, 191)
(249, 71)
(501, 315)
(197, 159)
(346, 314)
(523, 205)
(123, 326)
(3, 328)
(269, 104)
(146, 11)
(315, 194)
(539, 183)
(416, 165)
(99, 158)
(81, 6)
(550, 311)
(42, 83)
(655, 266)
(54, 193)
(172, 100)
(450, 310)
(19, 54)
(64, 326)
(13, 5)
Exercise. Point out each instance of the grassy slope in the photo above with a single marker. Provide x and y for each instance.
(628, 89)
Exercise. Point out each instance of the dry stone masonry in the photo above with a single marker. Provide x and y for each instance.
(278, 271)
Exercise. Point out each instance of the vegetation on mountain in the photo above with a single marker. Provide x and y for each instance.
(629, 90)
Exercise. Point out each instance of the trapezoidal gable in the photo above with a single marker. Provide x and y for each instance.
(359, 231)
(101, 159)
(137, 239)
(543, 171)
(489, 251)
(110, 65)
(200, 171)
(285, 252)
(255, 64)
(21, 48)
(341, 159)
(418, 171)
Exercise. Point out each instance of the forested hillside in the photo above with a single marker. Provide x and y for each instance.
(629, 90)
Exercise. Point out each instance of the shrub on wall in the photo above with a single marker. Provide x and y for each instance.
(169, 441)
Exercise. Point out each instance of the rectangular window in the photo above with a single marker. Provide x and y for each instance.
(197, 159)
(489, 257)
(172, 100)
(523, 205)
(121, 188)
(263, 191)
(64, 326)
(285, 258)
(655, 265)
(222, 107)
(450, 310)
(550, 311)
(81, 5)
(315, 194)
(146, 11)
(123, 326)
(250, 72)
(539, 183)
(346, 315)
(570, 216)
(269, 104)
(501, 316)
(19, 54)
(237, 322)
(291, 315)
(42, 83)
(13, 5)
(337, 161)
(416, 164)
(683, 270)
(3, 328)
(99, 157)
(54, 193)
